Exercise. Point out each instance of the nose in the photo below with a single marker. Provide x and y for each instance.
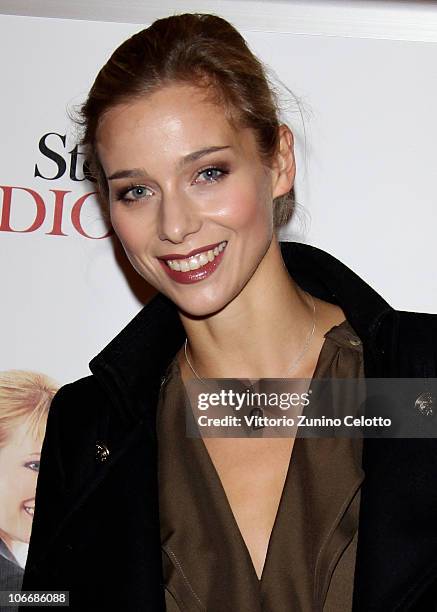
(178, 218)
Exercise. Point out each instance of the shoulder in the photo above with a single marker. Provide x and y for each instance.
(409, 340)
(415, 328)
(75, 408)
(80, 397)
(80, 387)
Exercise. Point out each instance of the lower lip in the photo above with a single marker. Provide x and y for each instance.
(194, 276)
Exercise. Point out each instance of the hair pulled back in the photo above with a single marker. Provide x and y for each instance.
(198, 49)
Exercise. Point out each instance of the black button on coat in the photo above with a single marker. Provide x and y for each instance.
(96, 527)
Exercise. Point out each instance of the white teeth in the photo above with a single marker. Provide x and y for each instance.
(194, 263)
(197, 261)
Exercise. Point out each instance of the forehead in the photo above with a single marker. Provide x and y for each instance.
(170, 123)
(23, 438)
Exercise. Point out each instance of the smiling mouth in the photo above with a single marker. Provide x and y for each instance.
(196, 261)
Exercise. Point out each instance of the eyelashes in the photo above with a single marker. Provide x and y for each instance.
(213, 179)
(136, 192)
(140, 190)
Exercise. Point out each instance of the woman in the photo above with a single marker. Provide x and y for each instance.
(24, 405)
(197, 172)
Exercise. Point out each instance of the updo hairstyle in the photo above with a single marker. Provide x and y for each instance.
(196, 49)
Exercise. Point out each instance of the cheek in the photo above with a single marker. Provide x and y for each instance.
(130, 228)
(27, 487)
(121, 225)
(11, 486)
(250, 206)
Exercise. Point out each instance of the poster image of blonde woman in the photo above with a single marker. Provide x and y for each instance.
(25, 398)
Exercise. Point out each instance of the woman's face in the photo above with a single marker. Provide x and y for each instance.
(19, 465)
(182, 179)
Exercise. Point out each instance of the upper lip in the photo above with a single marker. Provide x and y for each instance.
(208, 247)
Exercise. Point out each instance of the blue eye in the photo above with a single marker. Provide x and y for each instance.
(137, 192)
(212, 174)
(133, 193)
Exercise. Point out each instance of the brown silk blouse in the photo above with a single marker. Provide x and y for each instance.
(310, 560)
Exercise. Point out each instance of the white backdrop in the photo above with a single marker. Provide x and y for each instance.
(366, 179)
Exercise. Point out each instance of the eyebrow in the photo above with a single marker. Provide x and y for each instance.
(187, 159)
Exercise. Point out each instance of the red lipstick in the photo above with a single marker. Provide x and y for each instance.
(208, 247)
(193, 276)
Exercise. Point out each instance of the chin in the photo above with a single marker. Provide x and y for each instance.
(200, 308)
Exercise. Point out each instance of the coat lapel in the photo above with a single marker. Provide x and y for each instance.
(131, 367)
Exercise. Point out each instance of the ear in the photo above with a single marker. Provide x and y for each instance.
(284, 165)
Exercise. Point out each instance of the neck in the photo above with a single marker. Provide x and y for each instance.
(257, 335)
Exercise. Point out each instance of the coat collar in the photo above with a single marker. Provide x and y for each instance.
(130, 367)
(139, 355)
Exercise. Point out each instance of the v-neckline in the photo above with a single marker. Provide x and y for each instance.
(224, 497)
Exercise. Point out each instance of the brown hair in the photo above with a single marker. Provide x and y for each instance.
(198, 49)
(24, 395)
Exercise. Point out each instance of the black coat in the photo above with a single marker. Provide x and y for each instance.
(96, 527)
